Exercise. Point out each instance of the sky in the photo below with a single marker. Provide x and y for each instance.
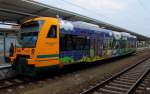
(132, 15)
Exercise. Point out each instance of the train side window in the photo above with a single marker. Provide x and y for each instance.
(52, 33)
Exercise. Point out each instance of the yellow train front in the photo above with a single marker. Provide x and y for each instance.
(37, 46)
(45, 43)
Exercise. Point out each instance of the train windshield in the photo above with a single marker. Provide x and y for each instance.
(29, 33)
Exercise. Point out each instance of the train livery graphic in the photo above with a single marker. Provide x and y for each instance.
(47, 42)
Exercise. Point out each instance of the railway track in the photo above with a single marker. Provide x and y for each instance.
(129, 81)
(15, 81)
(143, 68)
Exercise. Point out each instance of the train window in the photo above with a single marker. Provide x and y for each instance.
(52, 33)
(69, 43)
(66, 42)
(72, 42)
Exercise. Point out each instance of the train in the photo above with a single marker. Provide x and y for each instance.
(45, 43)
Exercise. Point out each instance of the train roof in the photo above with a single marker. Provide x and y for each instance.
(116, 35)
(132, 36)
(85, 25)
(125, 34)
(128, 35)
(76, 27)
(71, 25)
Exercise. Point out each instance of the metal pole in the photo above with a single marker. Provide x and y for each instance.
(4, 46)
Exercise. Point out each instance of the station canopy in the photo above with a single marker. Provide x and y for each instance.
(16, 11)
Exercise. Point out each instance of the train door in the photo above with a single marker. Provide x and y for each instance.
(48, 48)
(99, 47)
(92, 50)
(96, 47)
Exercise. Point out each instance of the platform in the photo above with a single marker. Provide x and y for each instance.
(6, 71)
(5, 65)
